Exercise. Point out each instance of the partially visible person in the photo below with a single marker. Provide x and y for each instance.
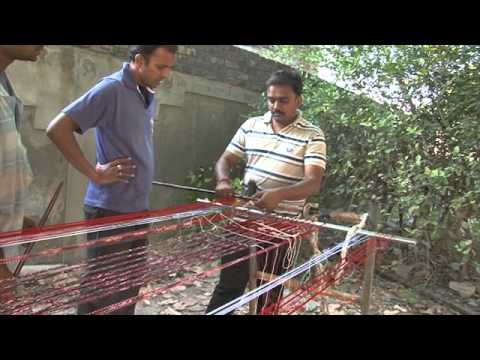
(15, 172)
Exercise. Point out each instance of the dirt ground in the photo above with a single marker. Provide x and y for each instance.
(388, 298)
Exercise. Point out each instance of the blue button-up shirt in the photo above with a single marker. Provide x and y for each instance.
(123, 122)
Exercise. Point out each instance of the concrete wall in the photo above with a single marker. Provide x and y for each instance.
(199, 109)
(223, 63)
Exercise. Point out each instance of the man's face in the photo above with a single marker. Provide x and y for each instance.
(23, 52)
(283, 103)
(157, 68)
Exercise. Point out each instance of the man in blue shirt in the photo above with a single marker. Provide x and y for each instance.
(120, 108)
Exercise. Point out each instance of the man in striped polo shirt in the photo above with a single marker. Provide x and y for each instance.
(286, 158)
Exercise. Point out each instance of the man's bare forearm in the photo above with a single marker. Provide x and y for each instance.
(222, 170)
(301, 190)
(61, 132)
(223, 166)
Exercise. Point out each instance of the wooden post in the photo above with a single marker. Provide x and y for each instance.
(253, 279)
(368, 276)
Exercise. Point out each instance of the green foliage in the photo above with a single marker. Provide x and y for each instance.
(417, 154)
(204, 178)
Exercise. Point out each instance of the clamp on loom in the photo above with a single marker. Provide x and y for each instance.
(352, 232)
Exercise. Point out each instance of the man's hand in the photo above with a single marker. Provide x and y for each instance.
(28, 223)
(224, 189)
(120, 170)
(267, 200)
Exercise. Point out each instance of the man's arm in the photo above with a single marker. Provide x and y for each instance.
(222, 172)
(61, 132)
(310, 185)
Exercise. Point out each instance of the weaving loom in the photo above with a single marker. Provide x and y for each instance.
(181, 238)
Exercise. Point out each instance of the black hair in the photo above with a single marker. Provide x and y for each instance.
(147, 50)
(287, 77)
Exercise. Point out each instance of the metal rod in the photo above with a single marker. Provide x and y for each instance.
(347, 217)
(327, 225)
(200, 190)
(342, 228)
(41, 223)
(83, 227)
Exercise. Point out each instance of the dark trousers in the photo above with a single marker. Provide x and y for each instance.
(102, 250)
(234, 279)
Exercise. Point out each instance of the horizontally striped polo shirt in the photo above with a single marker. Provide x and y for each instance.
(278, 159)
